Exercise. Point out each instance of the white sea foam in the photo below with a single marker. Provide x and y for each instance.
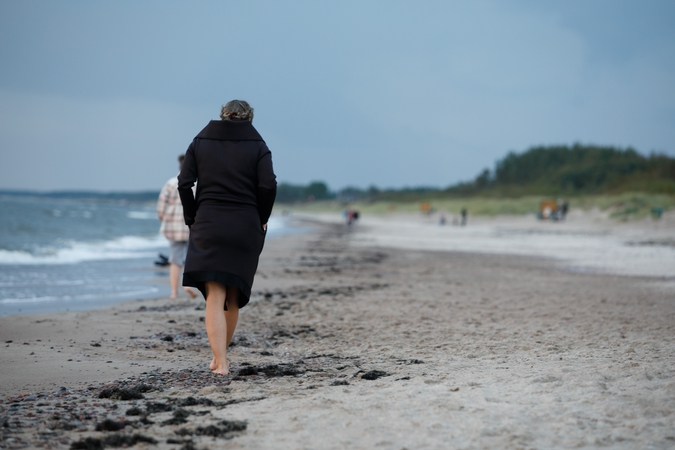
(75, 252)
(79, 298)
(275, 225)
(142, 215)
(120, 248)
(52, 283)
(11, 301)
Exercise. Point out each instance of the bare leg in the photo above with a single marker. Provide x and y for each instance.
(174, 276)
(232, 313)
(216, 326)
(190, 292)
(231, 317)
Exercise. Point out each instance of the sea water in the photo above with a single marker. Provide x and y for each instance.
(74, 252)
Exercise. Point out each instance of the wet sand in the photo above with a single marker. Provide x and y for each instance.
(348, 345)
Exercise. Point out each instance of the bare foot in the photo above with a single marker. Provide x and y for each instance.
(173, 296)
(222, 369)
(190, 292)
(214, 365)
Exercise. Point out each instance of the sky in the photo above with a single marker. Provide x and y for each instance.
(105, 95)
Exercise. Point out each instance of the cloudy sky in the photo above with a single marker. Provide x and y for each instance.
(105, 95)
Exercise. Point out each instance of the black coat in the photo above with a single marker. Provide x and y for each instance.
(236, 187)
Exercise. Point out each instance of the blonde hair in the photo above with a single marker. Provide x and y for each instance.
(236, 110)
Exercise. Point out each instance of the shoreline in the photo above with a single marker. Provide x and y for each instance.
(346, 345)
(148, 281)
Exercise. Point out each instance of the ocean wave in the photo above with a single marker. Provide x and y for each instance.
(78, 298)
(51, 283)
(275, 225)
(143, 215)
(126, 247)
(75, 252)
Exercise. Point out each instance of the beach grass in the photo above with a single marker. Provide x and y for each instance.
(626, 206)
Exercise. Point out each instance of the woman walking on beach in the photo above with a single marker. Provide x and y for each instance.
(236, 188)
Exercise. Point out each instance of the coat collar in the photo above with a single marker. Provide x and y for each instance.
(230, 130)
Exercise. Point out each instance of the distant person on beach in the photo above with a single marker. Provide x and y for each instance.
(236, 188)
(564, 208)
(351, 216)
(170, 212)
(463, 214)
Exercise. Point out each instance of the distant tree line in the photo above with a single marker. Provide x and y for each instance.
(579, 169)
(291, 193)
(542, 170)
(318, 190)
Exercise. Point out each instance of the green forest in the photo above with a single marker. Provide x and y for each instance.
(579, 169)
(543, 170)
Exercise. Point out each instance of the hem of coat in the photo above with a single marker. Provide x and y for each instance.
(198, 279)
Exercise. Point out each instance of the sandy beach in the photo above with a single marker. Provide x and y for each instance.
(392, 333)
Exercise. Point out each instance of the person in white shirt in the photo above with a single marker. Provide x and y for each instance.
(170, 212)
